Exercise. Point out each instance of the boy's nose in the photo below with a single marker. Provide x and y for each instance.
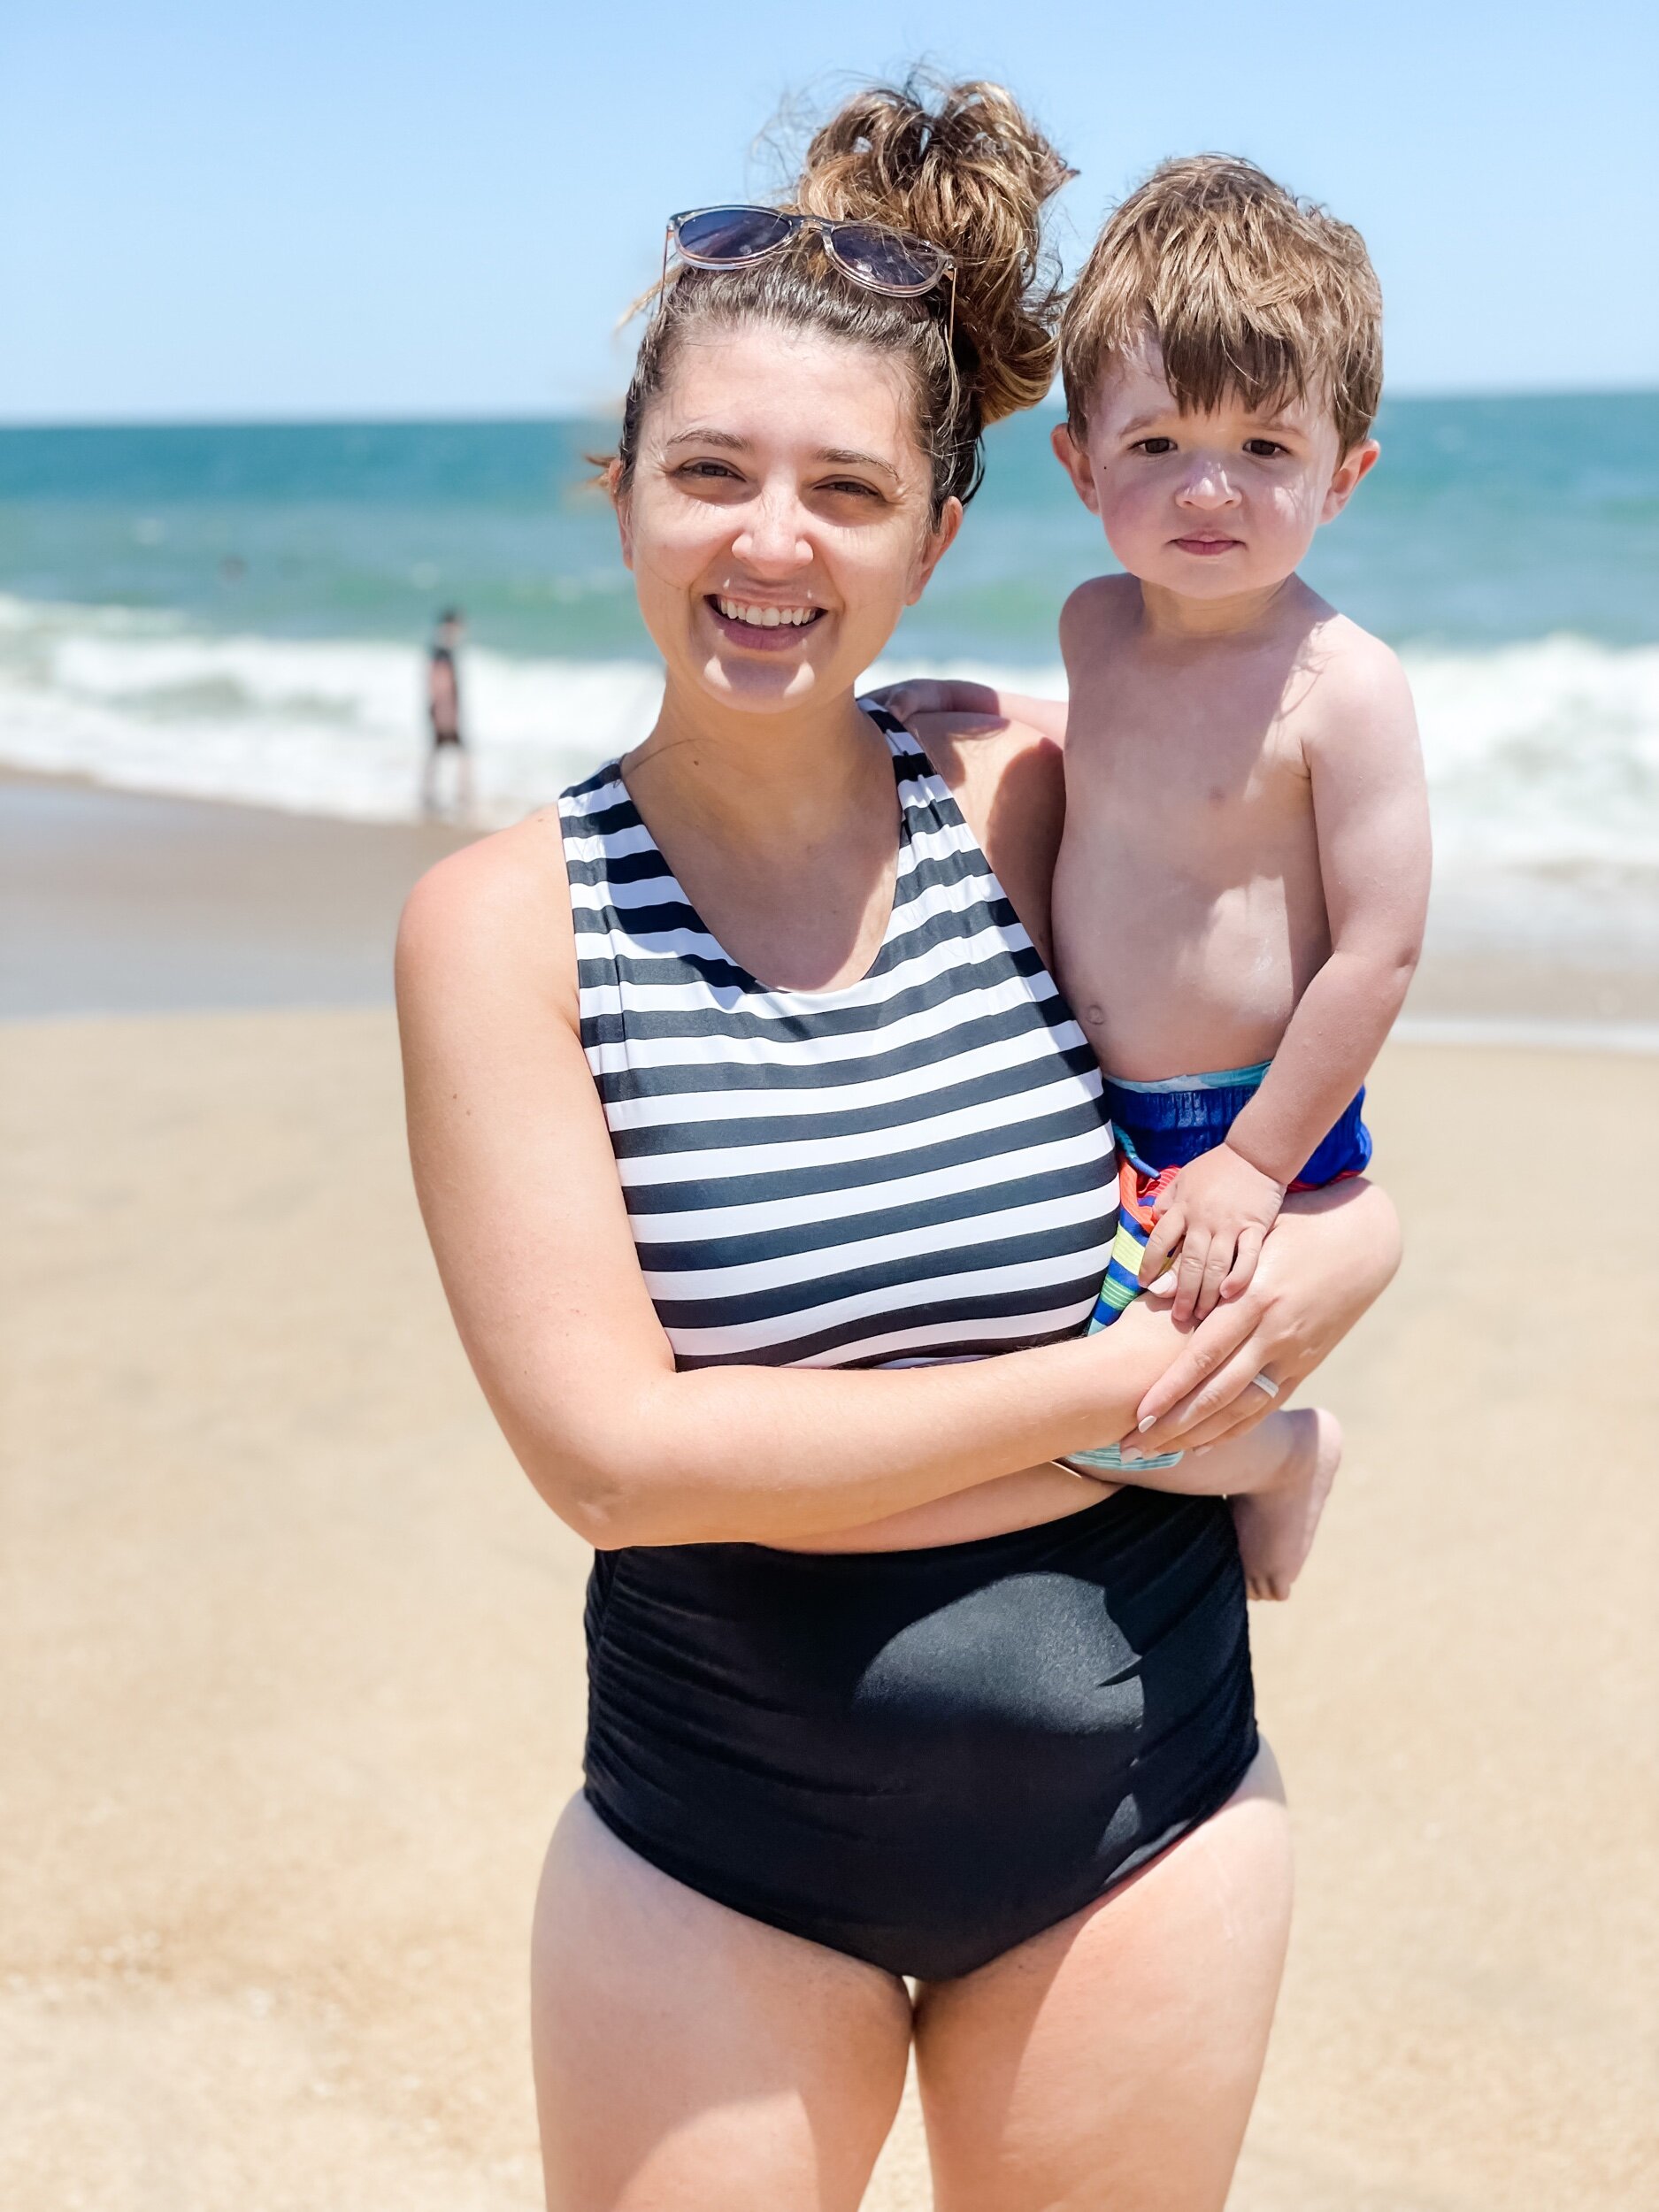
(1207, 484)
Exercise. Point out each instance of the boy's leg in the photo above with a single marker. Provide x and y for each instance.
(1276, 1477)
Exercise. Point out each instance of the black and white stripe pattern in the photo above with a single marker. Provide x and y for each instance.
(916, 1167)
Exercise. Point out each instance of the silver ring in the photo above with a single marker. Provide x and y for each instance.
(1266, 1383)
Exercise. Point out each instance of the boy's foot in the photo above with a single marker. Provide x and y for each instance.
(1276, 1523)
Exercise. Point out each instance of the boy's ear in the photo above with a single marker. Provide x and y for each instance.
(1357, 461)
(1073, 458)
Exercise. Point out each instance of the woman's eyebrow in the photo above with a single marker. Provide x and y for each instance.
(729, 439)
(836, 456)
(846, 456)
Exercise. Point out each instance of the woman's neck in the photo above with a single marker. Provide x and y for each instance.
(755, 780)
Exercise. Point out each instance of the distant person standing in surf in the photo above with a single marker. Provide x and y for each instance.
(443, 705)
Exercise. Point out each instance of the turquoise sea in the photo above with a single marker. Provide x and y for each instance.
(240, 611)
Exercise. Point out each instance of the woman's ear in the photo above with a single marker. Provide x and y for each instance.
(936, 546)
(1073, 458)
(620, 501)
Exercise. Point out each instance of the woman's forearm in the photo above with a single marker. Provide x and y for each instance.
(762, 1455)
(758, 1454)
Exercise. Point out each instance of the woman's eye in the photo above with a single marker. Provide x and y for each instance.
(713, 470)
(852, 484)
(1265, 449)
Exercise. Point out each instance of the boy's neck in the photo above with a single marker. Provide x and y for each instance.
(1172, 616)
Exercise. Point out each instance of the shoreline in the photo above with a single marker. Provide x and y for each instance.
(130, 902)
(119, 902)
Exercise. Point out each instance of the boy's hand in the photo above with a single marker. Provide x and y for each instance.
(1219, 1211)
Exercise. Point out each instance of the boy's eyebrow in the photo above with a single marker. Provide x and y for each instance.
(1278, 420)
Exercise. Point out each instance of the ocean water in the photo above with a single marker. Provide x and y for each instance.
(241, 612)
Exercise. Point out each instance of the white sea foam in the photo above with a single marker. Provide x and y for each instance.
(1542, 756)
(316, 726)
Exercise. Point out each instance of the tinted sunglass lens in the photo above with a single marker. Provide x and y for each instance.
(882, 256)
(731, 233)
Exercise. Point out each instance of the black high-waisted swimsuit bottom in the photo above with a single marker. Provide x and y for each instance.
(922, 1757)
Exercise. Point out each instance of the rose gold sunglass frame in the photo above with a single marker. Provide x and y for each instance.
(826, 226)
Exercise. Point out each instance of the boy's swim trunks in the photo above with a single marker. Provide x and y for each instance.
(1160, 1127)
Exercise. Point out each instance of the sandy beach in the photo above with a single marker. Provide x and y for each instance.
(293, 1654)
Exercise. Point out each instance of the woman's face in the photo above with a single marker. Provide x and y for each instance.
(777, 524)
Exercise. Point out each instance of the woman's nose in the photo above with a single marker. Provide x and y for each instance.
(773, 535)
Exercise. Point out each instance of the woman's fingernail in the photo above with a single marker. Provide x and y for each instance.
(1128, 1454)
(1200, 1449)
(1150, 1422)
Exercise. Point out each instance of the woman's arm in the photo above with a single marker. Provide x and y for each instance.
(518, 1188)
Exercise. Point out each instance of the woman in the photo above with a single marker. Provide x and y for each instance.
(770, 1185)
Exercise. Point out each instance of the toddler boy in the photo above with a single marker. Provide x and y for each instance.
(1240, 895)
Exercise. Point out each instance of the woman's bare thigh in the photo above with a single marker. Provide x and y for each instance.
(1113, 2060)
(689, 2059)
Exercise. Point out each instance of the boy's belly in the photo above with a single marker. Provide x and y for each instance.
(1170, 977)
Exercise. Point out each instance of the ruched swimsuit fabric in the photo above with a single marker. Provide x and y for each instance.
(918, 1757)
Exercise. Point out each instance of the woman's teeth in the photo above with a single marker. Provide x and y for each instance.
(764, 617)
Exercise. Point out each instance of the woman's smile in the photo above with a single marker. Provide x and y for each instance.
(762, 625)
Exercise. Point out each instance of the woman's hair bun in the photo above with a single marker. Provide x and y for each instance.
(962, 166)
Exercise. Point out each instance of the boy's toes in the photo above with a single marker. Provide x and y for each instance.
(1267, 1589)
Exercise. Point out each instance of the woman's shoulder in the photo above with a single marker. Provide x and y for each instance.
(496, 912)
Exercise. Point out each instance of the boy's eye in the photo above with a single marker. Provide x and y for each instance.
(1153, 446)
(1265, 449)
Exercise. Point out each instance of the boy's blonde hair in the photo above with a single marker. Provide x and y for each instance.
(1246, 290)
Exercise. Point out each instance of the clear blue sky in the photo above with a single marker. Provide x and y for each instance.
(327, 209)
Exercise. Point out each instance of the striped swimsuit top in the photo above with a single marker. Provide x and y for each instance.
(915, 1167)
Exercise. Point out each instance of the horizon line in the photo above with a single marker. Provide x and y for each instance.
(471, 418)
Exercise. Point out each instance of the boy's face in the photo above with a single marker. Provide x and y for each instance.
(1211, 505)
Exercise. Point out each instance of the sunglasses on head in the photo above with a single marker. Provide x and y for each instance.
(882, 260)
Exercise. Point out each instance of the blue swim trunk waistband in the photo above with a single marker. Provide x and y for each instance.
(1219, 1080)
(1167, 1123)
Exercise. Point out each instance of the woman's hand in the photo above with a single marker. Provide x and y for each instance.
(919, 698)
(1331, 1253)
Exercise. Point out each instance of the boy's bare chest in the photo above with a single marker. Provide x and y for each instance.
(1191, 771)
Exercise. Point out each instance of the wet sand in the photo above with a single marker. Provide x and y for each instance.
(293, 1652)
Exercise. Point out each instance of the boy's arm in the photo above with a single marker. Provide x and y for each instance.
(1371, 814)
